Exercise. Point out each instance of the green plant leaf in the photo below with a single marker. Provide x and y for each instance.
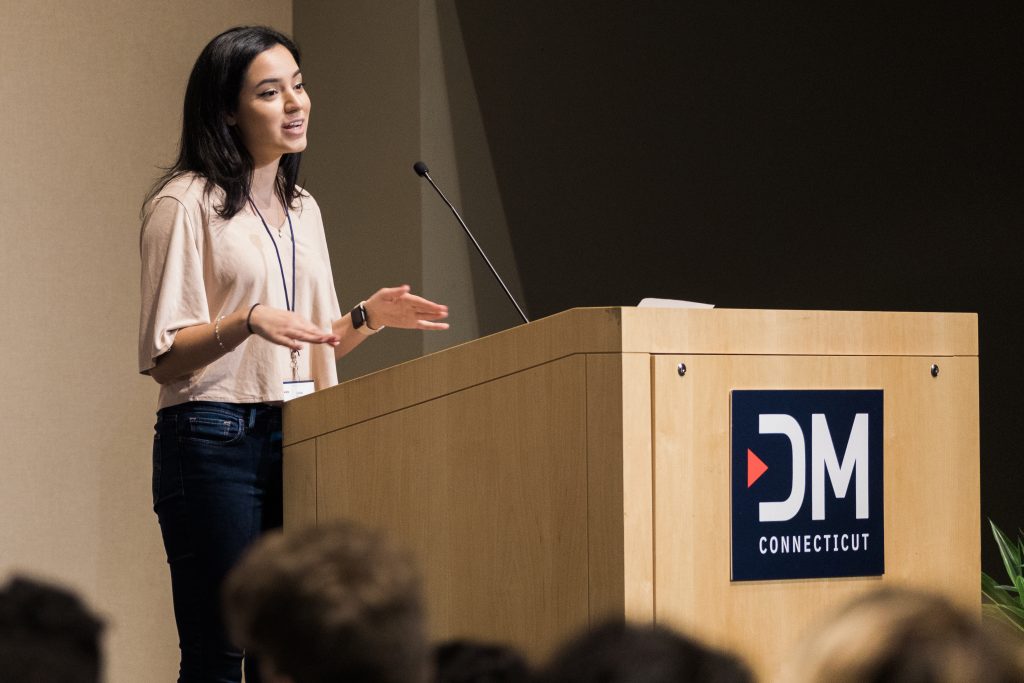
(1014, 610)
(1006, 601)
(988, 609)
(995, 592)
(1010, 552)
(1009, 612)
(1006, 613)
(993, 612)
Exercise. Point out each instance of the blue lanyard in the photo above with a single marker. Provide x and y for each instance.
(284, 282)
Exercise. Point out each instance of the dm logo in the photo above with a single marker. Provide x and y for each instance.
(807, 484)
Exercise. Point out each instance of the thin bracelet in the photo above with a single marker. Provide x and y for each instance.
(248, 318)
(374, 330)
(216, 331)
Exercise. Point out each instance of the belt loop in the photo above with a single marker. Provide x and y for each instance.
(252, 417)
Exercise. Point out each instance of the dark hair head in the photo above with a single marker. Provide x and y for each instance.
(209, 147)
(330, 603)
(465, 661)
(617, 652)
(47, 635)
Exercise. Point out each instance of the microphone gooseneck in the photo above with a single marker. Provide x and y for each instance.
(424, 172)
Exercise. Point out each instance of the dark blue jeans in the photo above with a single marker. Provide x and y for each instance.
(216, 488)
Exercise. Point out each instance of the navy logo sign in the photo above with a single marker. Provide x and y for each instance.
(807, 484)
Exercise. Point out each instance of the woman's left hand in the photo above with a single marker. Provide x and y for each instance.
(397, 307)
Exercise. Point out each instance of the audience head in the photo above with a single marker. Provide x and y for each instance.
(47, 635)
(463, 661)
(332, 603)
(618, 652)
(905, 636)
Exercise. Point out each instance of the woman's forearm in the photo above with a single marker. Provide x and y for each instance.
(349, 337)
(197, 346)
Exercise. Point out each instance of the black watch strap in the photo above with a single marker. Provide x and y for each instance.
(361, 321)
(358, 316)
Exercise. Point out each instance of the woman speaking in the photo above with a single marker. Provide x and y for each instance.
(239, 313)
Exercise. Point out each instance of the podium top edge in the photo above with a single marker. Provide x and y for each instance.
(781, 331)
(628, 330)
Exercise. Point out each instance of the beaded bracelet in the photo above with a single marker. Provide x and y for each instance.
(216, 332)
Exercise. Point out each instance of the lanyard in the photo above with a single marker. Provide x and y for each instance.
(290, 305)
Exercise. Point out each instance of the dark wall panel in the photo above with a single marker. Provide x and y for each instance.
(789, 155)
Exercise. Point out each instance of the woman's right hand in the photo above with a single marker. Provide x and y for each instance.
(287, 328)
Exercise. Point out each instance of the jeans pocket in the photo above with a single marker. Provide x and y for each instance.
(211, 427)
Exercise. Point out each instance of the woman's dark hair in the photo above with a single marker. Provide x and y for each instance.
(211, 148)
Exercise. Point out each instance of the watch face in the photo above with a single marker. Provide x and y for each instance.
(358, 317)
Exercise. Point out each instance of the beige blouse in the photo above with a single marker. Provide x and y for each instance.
(197, 267)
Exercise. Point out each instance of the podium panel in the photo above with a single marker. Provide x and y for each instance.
(932, 515)
(480, 508)
(567, 470)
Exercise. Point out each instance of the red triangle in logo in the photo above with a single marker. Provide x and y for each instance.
(755, 468)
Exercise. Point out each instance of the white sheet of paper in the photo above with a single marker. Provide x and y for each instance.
(651, 302)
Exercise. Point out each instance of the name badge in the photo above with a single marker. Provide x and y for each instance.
(297, 388)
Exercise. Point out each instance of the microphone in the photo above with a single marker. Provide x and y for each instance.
(424, 172)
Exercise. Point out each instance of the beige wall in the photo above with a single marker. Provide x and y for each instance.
(360, 62)
(391, 84)
(455, 145)
(91, 104)
(91, 99)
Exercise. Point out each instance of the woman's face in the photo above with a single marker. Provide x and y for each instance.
(273, 107)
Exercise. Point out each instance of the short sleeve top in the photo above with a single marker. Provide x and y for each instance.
(197, 266)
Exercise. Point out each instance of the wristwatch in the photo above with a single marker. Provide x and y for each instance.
(361, 321)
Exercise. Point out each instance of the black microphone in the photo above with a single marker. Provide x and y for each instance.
(424, 172)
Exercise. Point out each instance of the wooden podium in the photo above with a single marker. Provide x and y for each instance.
(566, 470)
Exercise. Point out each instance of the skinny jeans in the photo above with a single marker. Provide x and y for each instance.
(216, 488)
